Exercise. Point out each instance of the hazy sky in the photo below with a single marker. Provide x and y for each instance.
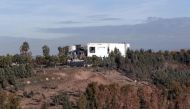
(24, 18)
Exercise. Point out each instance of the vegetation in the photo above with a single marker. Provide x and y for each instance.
(24, 48)
(9, 75)
(63, 100)
(105, 97)
(9, 101)
(15, 67)
(46, 51)
(168, 70)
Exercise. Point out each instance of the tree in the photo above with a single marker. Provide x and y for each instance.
(45, 50)
(63, 59)
(25, 56)
(24, 48)
(53, 60)
(40, 60)
(22, 59)
(116, 58)
(5, 61)
(61, 52)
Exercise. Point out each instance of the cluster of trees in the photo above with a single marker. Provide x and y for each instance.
(114, 61)
(21, 65)
(52, 60)
(169, 69)
(46, 59)
(139, 64)
(13, 67)
(144, 64)
(9, 75)
(25, 57)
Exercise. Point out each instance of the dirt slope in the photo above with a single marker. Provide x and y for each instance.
(50, 82)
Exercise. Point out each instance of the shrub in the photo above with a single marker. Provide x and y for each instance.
(61, 99)
(91, 96)
(82, 102)
(9, 75)
(9, 101)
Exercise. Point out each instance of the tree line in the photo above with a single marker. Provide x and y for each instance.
(169, 70)
(14, 67)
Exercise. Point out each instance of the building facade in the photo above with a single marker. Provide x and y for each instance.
(104, 49)
(76, 52)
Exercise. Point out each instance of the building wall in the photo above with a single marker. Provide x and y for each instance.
(103, 49)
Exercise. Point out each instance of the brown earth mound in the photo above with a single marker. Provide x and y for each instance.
(51, 82)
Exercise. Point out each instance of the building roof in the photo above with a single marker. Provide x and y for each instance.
(107, 43)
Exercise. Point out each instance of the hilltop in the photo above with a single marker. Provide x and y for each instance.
(69, 80)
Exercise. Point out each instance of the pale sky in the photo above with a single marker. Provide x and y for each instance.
(24, 18)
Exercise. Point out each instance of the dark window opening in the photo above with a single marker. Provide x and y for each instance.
(92, 49)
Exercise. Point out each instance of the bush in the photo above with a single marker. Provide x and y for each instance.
(82, 102)
(9, 101)
(91, 96)
(61, 99)
(9, 75)
(161, 68)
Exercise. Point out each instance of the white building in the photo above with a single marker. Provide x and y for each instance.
(104, 49)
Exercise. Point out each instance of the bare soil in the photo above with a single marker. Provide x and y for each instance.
(49, 82)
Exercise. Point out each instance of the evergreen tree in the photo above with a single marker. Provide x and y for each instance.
(46, 51)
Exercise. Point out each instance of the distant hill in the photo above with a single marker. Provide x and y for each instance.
(154, 33)
(157, 34)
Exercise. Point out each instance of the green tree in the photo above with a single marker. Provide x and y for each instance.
(46, 51)
(22, 59)
(40, 60)
(54, 60)
(24, 48)
(5, 61)
(63, 59)
(116, 58)
(61, 52)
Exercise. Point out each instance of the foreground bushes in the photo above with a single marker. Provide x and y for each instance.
(9, 101)
(61, 99)
(130, 97)
(9, 75)
(169, 71)
(106, 97)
